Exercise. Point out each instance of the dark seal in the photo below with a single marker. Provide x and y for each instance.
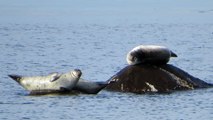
(149, 54)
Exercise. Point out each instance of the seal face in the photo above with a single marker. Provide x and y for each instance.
(52, 82)
(149, 54)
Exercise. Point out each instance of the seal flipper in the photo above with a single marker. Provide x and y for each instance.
(54, 76)
(100, 86)
(173, 54)
(17, 78)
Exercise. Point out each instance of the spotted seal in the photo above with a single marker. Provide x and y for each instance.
(54, 82)
(149, 54)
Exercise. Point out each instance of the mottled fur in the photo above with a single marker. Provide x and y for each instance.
(149, 54)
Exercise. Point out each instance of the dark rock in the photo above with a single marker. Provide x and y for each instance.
(146, 78)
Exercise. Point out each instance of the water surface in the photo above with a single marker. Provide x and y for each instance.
(40, 37)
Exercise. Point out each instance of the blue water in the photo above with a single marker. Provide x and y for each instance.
(39, 37)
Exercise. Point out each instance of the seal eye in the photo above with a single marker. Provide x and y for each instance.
(134, 59)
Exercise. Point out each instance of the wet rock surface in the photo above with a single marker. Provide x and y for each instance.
(151, 78)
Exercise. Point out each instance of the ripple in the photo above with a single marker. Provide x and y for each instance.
(100, 50)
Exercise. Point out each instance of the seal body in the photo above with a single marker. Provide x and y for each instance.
(149, 54)
(90, 87)
(54, 82)
(145, 78)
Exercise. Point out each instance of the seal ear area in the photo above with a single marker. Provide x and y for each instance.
(17, 78)
(173, 54)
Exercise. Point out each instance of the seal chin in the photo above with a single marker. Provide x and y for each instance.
(76, 72)
(133, 62)
(129, 62)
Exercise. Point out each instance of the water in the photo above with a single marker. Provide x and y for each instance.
(40, 37)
